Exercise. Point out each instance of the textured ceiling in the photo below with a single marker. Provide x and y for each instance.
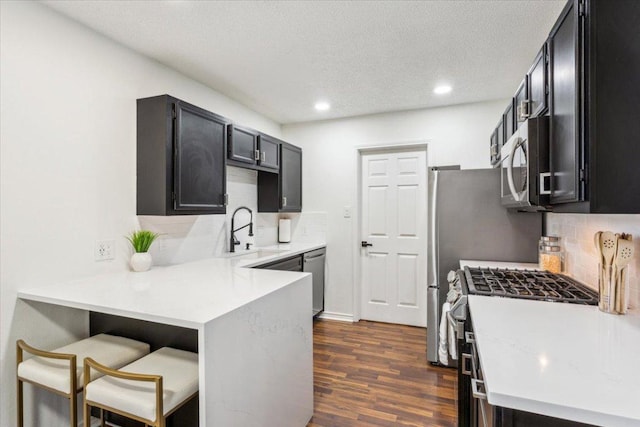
(279, 58)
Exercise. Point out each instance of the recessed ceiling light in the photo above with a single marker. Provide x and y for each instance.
(442, 89)
(322, 106)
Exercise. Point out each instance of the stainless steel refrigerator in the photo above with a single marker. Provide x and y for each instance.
(467, 221)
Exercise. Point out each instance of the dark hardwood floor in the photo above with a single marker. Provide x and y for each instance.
(376, 374)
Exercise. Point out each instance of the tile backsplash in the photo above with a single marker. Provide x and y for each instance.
(577, 230)
(306, 227)
(185, 238)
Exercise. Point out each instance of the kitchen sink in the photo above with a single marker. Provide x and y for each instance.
(260, 253)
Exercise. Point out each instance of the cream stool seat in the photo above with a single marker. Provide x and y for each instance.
(147, 390)
(58, 370)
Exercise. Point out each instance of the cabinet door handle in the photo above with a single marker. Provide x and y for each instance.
(364, 244)
(284, 201)
(226, 199)
(469, 337)
(466, 360)
(544, 179)
(256, 155)
(262, 156)
(480, 396)
(522, 110)
(476, 389)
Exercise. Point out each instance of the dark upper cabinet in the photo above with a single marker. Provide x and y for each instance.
(250, 149)
(269, 149)
(498, 137)
(495, 151)
(538, 87)
(242, 145)
(594, 94)
(509, 119)
(291, 178)
(282, 192)
(520, 101)
(181, 152)
(566, 154)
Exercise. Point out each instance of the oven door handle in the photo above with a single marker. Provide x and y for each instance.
(458, 326)
(512, 186)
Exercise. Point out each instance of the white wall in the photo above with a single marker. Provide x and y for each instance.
(68, 171)
(577, 232)
(455, 135)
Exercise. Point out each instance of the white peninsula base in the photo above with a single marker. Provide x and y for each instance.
(257, 362)
(254, 327)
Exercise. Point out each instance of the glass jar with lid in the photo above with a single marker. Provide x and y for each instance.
(550, 254)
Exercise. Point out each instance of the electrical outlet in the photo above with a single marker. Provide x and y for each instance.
(104, 250)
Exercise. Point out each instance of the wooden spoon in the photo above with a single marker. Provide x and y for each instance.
(596, 242)
(608, 244)
(624, 253)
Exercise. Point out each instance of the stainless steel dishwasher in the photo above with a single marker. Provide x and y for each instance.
(314, 264)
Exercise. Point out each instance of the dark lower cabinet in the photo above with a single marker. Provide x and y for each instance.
(594, 51)
(506, 417)
(282, 192)
(293, 263)
(181, 158)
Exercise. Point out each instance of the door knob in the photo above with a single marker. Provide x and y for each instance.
(365, 244)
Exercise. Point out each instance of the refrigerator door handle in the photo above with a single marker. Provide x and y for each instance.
(433, 235)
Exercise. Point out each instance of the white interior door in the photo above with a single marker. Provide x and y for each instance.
(394, 222)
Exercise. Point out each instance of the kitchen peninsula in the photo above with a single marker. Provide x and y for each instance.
(254, 330)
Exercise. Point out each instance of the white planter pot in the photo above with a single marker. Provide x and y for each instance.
(140, 261)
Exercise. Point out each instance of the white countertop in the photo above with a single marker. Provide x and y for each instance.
(563, 360)
(187, 295)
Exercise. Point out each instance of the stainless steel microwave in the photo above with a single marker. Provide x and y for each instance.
(525, 167)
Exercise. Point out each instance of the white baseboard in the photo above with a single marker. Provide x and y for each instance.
(341, 317)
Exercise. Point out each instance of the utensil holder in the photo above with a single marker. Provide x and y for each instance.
(613, 290)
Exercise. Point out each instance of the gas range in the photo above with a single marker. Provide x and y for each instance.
(527, 284)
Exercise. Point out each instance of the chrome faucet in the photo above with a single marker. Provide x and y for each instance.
(233, 241)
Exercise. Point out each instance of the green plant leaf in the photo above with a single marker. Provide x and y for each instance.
(141, 240)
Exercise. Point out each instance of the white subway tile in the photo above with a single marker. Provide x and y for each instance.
(577, 231)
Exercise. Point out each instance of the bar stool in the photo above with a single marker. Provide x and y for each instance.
(58, 371)
(147, 390)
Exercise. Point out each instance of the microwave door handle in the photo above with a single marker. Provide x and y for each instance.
(517, 143)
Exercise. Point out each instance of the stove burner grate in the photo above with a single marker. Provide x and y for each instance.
(528, 284)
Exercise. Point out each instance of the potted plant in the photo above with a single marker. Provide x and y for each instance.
(141, 240)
